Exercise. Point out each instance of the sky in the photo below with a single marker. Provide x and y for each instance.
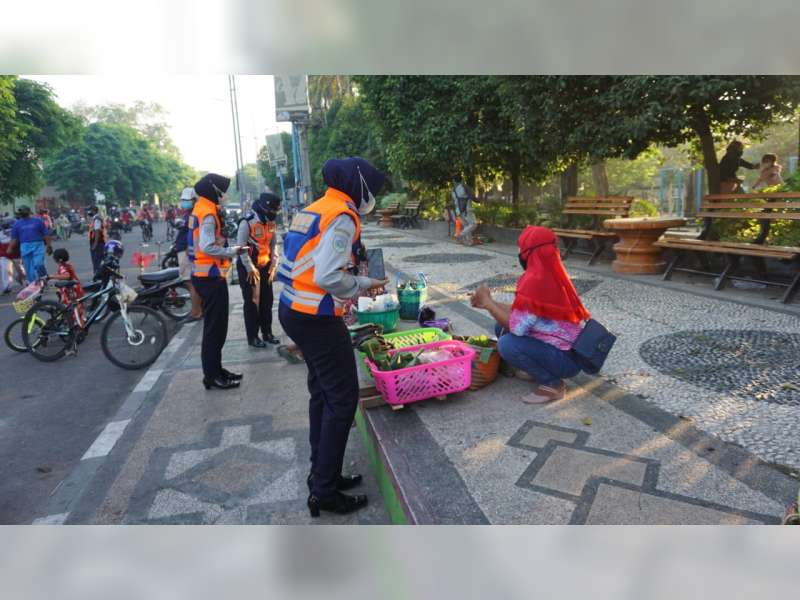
(198, 110)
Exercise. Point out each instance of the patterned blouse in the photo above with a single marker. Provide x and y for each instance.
(561, 334)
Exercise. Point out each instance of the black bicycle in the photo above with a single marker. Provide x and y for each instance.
(132, 338)
(147, 231)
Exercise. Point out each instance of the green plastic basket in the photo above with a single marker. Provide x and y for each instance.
(411, 337)
(386, 319)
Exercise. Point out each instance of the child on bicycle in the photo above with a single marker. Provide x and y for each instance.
(66, 272)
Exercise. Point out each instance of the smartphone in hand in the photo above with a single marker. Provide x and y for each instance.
(375, 266)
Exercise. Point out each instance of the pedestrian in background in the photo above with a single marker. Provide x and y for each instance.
(30, 236)
(319, 249)
(212, 259)
(97, 237)
(258, 233)
(462, 200)
(182, 235)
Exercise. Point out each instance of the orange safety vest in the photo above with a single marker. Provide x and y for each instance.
(300, 246)
(260, 241)
(93, 233)
(204, 265)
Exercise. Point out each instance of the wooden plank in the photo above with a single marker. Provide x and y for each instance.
(627, 199)
(573, 234)
(773, 205)
(587, 232)
(772, 216)
(755, 250)
(596, 205)
(612, 212)
(755, 196)
(731, 244)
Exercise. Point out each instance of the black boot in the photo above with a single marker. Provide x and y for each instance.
(257, 343)
(271, 339)
(344, 483)
(232, 376)
(221, 382)
(339, 503)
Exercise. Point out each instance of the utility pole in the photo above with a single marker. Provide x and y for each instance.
(237, 140)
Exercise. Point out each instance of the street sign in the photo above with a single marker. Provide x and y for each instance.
(275, 149)
(291, 97)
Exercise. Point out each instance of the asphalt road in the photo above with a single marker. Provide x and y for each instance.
(50, 413)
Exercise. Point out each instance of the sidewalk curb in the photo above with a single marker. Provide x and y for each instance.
(70, 489)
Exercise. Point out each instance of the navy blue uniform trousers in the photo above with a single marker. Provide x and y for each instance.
(333, 385)
(214, 292)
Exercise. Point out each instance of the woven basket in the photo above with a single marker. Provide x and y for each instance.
(485, 365)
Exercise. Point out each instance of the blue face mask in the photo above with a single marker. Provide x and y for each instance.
(187, 204)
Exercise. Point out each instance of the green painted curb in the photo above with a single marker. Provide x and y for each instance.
(390, 499)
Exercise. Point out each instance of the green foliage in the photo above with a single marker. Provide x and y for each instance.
(384, 201)
(506, 215)
(36, 127)
(120, 162)
(643, 208)
(268, 173)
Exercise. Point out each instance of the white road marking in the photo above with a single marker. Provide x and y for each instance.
(149, 380)
(51, 519)
(107, 439)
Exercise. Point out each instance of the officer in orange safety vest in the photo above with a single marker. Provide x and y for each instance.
(318, 251)
(212, 258)
(257, 231)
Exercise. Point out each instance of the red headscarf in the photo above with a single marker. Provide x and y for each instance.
(545, 289)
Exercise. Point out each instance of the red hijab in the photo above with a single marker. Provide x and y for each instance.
(545, 289)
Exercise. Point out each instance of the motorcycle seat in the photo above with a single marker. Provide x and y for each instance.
(160, 276)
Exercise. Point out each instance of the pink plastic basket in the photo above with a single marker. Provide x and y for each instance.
(421, 382)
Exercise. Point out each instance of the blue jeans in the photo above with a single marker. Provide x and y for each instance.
(544, 362)
(32, 254)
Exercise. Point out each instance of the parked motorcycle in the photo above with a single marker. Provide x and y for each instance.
(170, 259)
(165, 291)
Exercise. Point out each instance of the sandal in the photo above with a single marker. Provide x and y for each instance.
(546, 393)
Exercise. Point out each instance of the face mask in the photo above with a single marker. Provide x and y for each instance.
(187, 204)
(271, 215)
(367, 205)
(523, 262)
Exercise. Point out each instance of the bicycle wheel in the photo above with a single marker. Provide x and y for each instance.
(177, 302)
(148, 339)
(13, 336)
(48, 331)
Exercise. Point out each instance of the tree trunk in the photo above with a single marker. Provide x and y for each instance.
(600, 177)
(703, 129)
(515, 187)
(569, 182)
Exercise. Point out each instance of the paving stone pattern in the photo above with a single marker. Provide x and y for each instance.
(764, 365)
(447, 259)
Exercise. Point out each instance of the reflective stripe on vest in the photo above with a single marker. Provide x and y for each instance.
(300, 246)
(205, 265)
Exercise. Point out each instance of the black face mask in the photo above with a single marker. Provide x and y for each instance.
(271, 216)
(523, 262)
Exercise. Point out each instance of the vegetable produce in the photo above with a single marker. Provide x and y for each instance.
(481, 341)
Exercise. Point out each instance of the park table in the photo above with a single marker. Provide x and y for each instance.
(636, 250)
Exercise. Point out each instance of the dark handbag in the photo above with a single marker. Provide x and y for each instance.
(592, 346)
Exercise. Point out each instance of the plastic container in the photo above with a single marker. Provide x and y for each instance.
(386, 319)
(411, 300)
(412, 337)
(485, 365)
(421, 382)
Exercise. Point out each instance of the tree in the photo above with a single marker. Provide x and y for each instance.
(37, 129)
(703, 109)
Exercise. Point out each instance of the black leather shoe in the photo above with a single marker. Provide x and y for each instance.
(344, 483)
(339, 503)
(220, 382)
(231, 376)
(257, 343)
(271, 339)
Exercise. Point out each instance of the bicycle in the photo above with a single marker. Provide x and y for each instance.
(13, 333)
(147, 231)
(132, 338)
